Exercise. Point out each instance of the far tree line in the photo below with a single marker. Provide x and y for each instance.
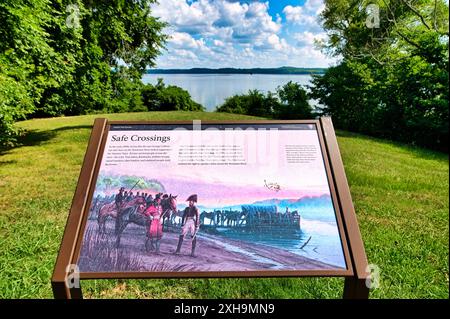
(391, 81)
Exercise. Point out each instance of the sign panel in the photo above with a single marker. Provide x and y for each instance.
(215, 199)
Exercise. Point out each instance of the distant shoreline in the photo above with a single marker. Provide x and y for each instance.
(282, 70)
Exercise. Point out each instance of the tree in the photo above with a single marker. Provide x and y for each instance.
(294, 102)
(346, 92)
(29, 64)
(67, 57)
(393, 78)
(402, 25)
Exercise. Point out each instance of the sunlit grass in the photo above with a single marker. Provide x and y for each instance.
(400, 195)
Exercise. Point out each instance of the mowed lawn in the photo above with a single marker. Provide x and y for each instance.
(400, 194)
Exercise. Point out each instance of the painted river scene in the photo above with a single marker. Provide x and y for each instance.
(277, 234)
(167, 217)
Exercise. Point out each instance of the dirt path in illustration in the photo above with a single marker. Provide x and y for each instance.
(213, 253)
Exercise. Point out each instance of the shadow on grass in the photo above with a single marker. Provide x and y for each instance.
(7, 162)
(37, 137)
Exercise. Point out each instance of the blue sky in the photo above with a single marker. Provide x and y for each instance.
(242, 34)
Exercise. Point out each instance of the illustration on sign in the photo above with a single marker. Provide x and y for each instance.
(174, 199)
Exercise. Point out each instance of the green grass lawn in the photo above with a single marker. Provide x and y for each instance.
(400, 194)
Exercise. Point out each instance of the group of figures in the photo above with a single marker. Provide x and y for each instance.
(251, 215)
(151, 212)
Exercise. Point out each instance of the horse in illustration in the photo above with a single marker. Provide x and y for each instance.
(174, 215)
(135, 214)
(234, 218)
(213, 216)
(169, 209)
(131, 214)
(110, 210)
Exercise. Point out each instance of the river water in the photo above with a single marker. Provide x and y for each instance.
(317, 239)
(211, 90)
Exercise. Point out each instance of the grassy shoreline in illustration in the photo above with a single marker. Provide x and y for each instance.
(232, 235)
(215, 253)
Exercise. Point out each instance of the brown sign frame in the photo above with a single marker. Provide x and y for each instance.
(357, 266)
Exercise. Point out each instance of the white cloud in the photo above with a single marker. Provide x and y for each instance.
(248, 53)
(218, 43)
(220, 18)
(293, 14)
(180, 43)
(226, 33)
(192, 18)
(307, 38)
(306, 16)
(230, 13)
(185, 40)
(274, 42)
(185, 54)
(314, 6)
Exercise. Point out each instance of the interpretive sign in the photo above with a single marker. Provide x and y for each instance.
(210, 199)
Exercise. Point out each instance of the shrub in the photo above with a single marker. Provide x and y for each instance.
(253, 103)
(293, 102)
(160, 97)
(290, 102)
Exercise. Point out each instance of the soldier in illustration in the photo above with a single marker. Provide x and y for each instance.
(130, 196)
(119, 199)
(96, 202)
(155, 232)
(190, 224)
(149, 199)
(157, 198)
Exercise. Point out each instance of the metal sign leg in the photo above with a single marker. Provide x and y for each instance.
(355, 288)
